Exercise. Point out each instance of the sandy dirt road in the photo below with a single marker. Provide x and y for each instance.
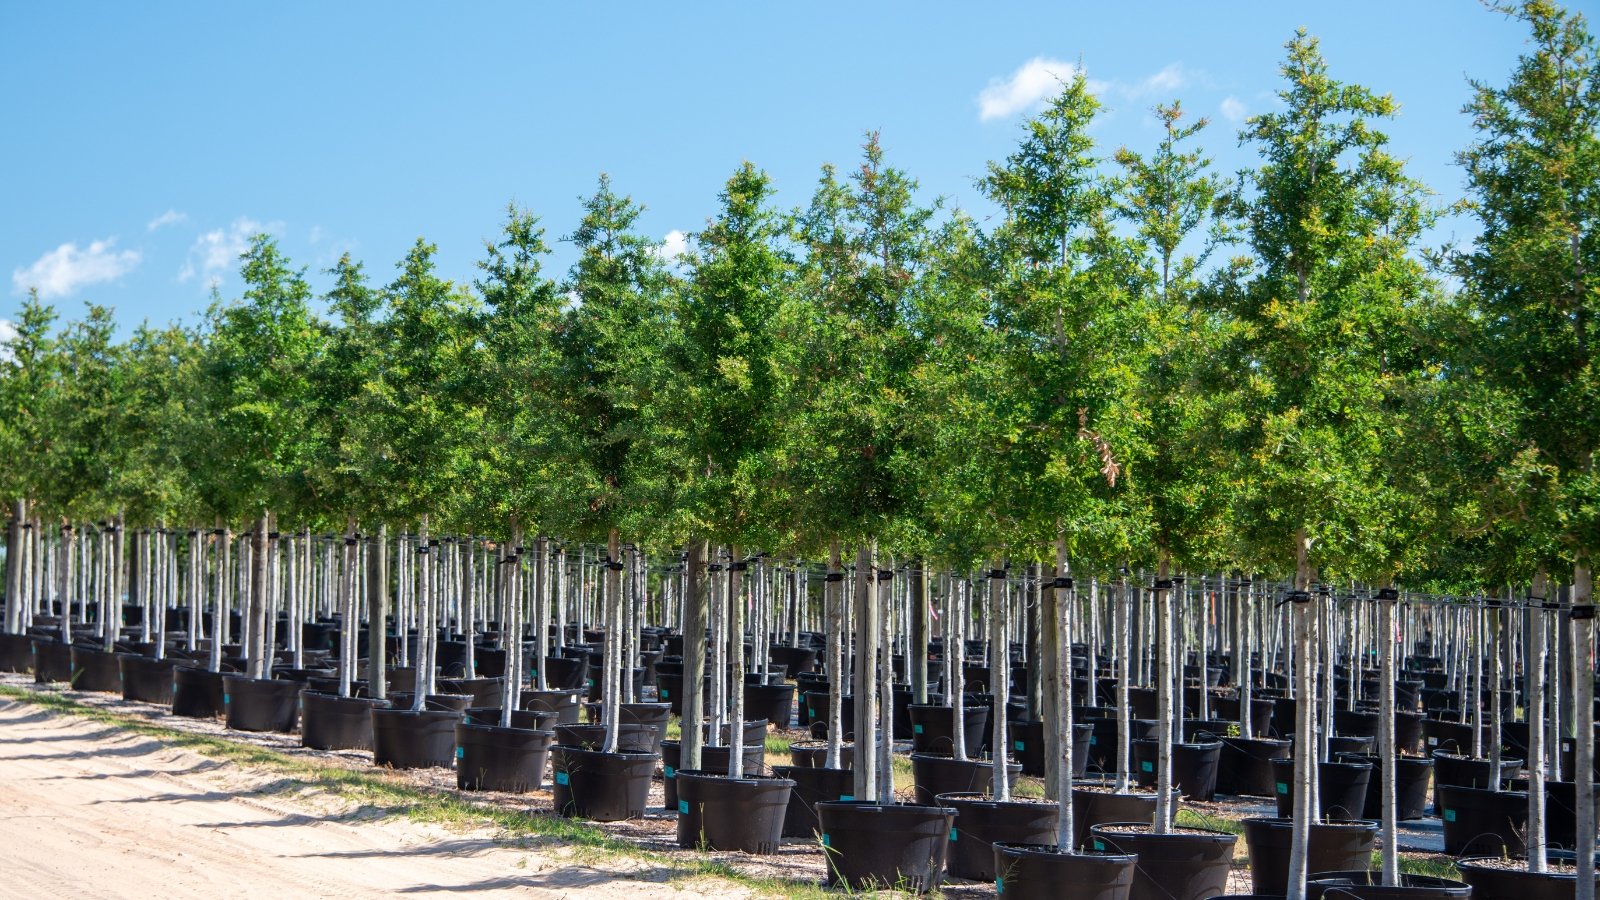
(89, 810)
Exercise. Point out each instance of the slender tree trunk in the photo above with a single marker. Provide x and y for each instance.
(1000, 676)
(1124, 680)
(1583, 756)
(1533, 672)
(1305, 728)
(866, 660)
(694, 654)
(918, 657)
(1063, 600)
(1163, 597)
(833, 599)
(736, 605)
(1386, 748)
(378, 613)
(258, 649)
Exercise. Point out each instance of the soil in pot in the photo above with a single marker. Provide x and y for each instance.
(260, 704)
(872, 845)
(814, 754)
(1362, 884)
(716, 812)
(1341, 788)
(1194, 767)
(981, 821)
(934, 775)
(603, 787)
(1498, 878)
(492, 758)
(403, 739)
(331, 722)
(197, 693)
(1481, 822)
(1332, 846)
(1184, 864)
(1041, 872)
(812, 785)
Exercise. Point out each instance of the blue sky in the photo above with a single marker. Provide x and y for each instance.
(146, 141)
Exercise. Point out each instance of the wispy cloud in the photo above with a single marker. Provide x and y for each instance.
(217, 252)
(65, 269)
(1233, 109)
(316, 235)
(170, 217)
(1040, 78)
(674, 245)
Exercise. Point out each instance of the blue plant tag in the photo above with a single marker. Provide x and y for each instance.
(1449, 815)
(1093, 740)
(916, 729)
(1018, 745)
(561, 778)
(683, 807)
(226, 699)
(1283, 788)
(461, 753)
(668, 771)
(1099, 846)
(847, 798)
(999, 885)
(952, 834)
(664, 693)
(1147, 766)
(826, 842)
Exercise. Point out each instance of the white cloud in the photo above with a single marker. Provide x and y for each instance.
(317, 234)
(67, 268)
(217, 252)
(674, 245)
(1037, 79)
(170, 217)
(1172, 78)
(1233, 109)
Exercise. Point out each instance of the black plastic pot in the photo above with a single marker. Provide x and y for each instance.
(564, 673)
(260, 704)
(932, 731)
(982, 821)
(1468, 771)
(652, 715)
(604, 787)
(95, 670)
(403, 739)
(795, 660)
(819, 711)
(16, 653)
(197, 693)
(1411, 777)
(492, 758)
(1491, 879)
(812, 785)
(483, 691)
(1186, 864)
(1245, 765)
(1452, 737)
(1091, 807)
(814, 754)
(1041, 872)
(1481, 822)
(148, 680)
(1194, 767)
(1331, 847)
(773, 702)
(1364, 884)
(934, 775)
(885, 845)
(630, 738)
(716, 812)
(712, 759)
(565, 703)
(1260, 713)
(456, 703)
(1341, 788)
(1027, 747)
(526, 719)
(331, 722)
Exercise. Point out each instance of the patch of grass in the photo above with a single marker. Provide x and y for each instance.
(777, 743)
(384, 795)
(1420, 864)
(1189, 818)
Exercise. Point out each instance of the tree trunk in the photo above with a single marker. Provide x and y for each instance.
(1063, 600)
(833, 599)
(611, 689)
(1000, 676)
(1305, 728)
(1534, 716)
(1583, 755)
(736, 587)
(1386, 748)
(918, 657)
(694, 654)
(1163, 598)
(866, 660)
(256, 654)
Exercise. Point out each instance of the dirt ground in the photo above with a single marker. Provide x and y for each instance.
(90, 810)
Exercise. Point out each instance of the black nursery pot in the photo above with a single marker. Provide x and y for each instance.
(331, 722)
(603, 787)
(814, 754)
(95, 670)
(16, 653)
(1245, 765)
(1091, 807)
(1467, 771)
(483, 691)
(1364, 884)
(653, 715)
(1186, 864)
(403, 739)
(1341, 788)
(197, 693)
(812, 785)
(885, 845)
(1411, 777)
(773, 702)
(456, 703)
(712, 759)
(630, 738)
(1027, 747)
(932, 730)
(1194, 767)
(492, 758)
(982, 821)
(1492, 881)
(1481, 822)
(149, 680)
(716, 812)
(527, 719)
(260, 704)
(1041, 872)
(935, 775)
(562, 702)
(1331, 846)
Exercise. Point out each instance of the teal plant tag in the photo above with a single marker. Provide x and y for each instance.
(1147, 766)
(952, 834)
(1018, 745)
(916, 729)
(668, 771)
(683, 807)
(461, 753)
(1449, 815)
(826, 842)
(999, 884)
(1099, 846)
(847, 798)
(1283, 788)
(561, 778)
